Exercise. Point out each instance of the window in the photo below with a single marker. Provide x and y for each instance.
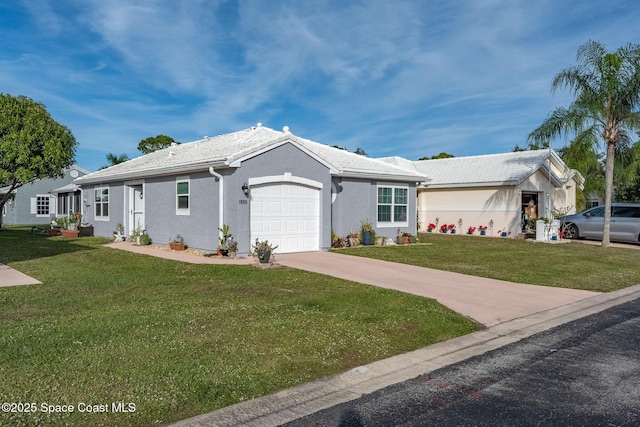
(393, 205)
(182, 196)
(42, 205)
(63, 207)
(101, 198)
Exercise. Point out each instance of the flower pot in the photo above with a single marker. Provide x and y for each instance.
(405, 240)
(70, 233)
(429, 230)
(399, 240)
(367, 238)
(353, 242)
(453, 231)
(264, 256)
(175, 246)
(483, 232)
(224, 252)
(379, 241)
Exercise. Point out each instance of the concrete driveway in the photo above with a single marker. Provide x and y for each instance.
(487, 301)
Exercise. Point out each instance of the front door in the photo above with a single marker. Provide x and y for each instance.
(136, 208)
(529, 208)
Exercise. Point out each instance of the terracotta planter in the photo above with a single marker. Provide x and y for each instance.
(70, 233)
(175, 246)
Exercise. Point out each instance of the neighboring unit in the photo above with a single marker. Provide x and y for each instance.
(44, 199)
(264, 184)
(499, 191)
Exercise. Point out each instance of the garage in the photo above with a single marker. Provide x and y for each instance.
(287, 215)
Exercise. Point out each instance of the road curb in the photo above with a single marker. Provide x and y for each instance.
(305, 399)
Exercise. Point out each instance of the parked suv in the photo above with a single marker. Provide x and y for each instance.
(625, 223)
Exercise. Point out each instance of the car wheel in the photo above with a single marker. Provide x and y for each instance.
(571, 232)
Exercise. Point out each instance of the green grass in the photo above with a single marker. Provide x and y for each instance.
(568, 265)
(179, 339)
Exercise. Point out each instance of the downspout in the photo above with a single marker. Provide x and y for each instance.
(220, 200)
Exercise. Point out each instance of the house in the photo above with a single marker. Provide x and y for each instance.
(264, 184)
(501, 190)
(44, 199)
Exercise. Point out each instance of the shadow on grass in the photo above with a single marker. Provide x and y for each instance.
(18, 243)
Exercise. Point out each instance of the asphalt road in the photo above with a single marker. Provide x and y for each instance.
(583, 373)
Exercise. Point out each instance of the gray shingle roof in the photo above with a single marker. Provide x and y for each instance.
(223, 150)
(488, 170)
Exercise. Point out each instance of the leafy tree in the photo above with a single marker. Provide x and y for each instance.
(32, 144)
(606, 86)
(114, 159)
(442, 155)
(155, 143)
(360, 151)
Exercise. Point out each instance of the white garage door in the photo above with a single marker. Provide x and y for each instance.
(287, 215)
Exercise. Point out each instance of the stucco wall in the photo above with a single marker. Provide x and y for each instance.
(474, 206)
(357, 200)
(102, 227)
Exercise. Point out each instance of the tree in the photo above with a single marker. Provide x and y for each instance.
(114, 159)
(32, 145)
(155, 143)
(442, 155)
(360, 151)
(606, 86)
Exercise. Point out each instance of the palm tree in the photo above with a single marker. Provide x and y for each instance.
(114, 159)
(606, 86)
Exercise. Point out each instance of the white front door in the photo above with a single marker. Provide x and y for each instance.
(136, 208)
(287, 215)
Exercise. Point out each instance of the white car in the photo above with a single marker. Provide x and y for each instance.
(624, 226)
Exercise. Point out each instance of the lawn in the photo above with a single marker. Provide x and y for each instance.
(176, 340)
(568, 265)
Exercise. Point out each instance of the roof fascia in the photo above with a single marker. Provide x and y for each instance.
(147, 173)
(371, 175)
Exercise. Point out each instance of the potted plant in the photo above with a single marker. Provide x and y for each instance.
(471, 230)
(144, 239)
(233, 248)
(177, 244)
(483, 229)
(444, 228)
(452, 228)
(353, 239)
(263, 250)
(68, 226)
(224, 241)
(368, 233)
(431, 227)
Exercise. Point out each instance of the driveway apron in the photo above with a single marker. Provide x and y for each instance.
(487, 301)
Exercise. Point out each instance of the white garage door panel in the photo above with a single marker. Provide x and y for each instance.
(287, 215)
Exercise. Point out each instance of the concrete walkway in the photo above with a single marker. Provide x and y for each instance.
(487, 301)
(11, 277)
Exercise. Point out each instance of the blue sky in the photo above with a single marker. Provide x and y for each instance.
(405, 78)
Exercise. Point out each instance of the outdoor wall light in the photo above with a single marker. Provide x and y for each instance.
(245, 189)
(141, 195)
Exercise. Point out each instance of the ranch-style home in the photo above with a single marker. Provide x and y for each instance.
(264, 184)
(44, 199)
(499, 191)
